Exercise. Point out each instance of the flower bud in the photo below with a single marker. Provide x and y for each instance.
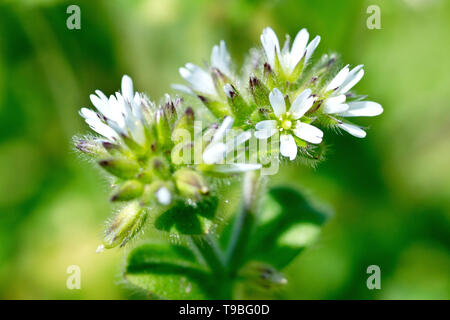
(262, 276)
(269, 75)
(259, 92)
(126, 224)
(219, 79)
(128, 190)
(133, 145)
(112, 148)
(186, 122)
(90, 147)
(297, 70)
(190, 183)
(163, 130)
(217, 108)
(120, 167)
(240, 109)
(159, 167)
(169, 110)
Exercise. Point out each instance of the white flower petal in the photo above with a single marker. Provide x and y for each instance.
(353, 130)
(308, 133)
(301, 104)
(102, 128)
(127, 88)
(102, 95)
(163, 196)
(100, 105)
(335, 104)
(271, 46)
(226, 125)
(88, 113)
(298, 48)
(362, 109)
(237, 167)
(266, 124)
(288, 147)
(311, 48)
(352, 79)
(220, 58)
(339, 79)
(182, 88)
(214, 153)
(229, 90)
(335, 108)
(265, 133)
(276, 99)
(237, 141)
(242, 138)
(199, 79)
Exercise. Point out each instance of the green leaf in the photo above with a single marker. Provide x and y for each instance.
(167, 270)
(286, 224)
(189, 219)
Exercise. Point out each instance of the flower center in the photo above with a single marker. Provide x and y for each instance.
(286, 124)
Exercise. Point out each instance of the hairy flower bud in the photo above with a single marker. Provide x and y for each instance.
(186, 121)
(120, 167)
(262, 276)
(112, 148)
(219, 79)
(217, 108)
(127, 223)
(160, 167)
(91, 147)
(259, 92)
(190, 183)
(240, 109)
(163, 129)
(128, 190)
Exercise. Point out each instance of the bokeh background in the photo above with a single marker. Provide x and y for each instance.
(390, 192)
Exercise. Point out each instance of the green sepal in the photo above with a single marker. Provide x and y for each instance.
(163, 129)
(125, 225)
(217, 108)
(190, 183)
(120, 167)
(186, 122)
(128, 190)
(259, 92)
(240, 109)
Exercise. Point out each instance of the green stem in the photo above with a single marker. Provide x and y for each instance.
(244, 221)
(211, 253)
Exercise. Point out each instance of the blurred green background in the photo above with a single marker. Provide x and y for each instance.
(390, 192)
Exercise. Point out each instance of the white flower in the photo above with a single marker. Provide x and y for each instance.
(200, 80)
(336, 102)
(288, 123)
(288, 58)
(217, 150)
(120, 115)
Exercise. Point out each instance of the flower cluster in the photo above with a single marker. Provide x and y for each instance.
(280, 97)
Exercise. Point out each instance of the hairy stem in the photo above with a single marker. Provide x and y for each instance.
(244, 221)
(211, 253)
